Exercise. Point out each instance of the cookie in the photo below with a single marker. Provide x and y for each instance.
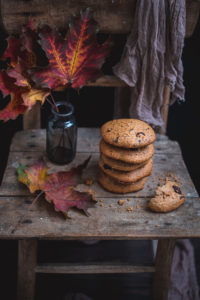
(127, 177)
(132, 155)
(128, 133)
(168, 197)
(119, 164)
(116, 187)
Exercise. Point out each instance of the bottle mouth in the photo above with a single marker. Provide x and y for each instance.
(64, 109)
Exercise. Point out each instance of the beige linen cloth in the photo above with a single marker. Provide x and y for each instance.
(151, 59)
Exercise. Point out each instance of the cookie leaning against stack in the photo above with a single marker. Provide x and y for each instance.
(126, 155)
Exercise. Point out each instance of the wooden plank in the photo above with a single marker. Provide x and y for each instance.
(27, 258)
(192, 15)
(108, 81)
(164, 164)
(31, 118)
(92, 268)
(107, 220)
(164, 258)
(114, 16)
(165, 108)
(88, 141)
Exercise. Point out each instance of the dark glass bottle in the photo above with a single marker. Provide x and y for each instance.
(61, 134)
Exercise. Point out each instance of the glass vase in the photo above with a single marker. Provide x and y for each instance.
(61, 134)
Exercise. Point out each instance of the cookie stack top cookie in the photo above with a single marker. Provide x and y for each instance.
(127, 133)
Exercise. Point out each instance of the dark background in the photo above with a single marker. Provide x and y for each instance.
(93, 107)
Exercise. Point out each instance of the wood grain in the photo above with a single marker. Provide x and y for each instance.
(92, 268)
(108, 81)
(107, 220)
(163, 164)
(165, 108)
(31, 118)
(88, 141)
(113, 16)
(27, 259)
(164, 258)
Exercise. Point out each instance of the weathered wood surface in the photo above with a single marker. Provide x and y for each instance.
(27, 259)
(163, 165)
(92, 268)
(164, 259)
(107, 219)
(113, 16)
(88, 141)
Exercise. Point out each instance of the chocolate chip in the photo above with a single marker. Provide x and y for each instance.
(107, 167)
(139, 133)
(176, 189)
(108, 130)
(27, 222)
(182, 197)
(116, 140)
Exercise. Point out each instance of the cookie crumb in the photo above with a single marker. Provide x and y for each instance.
(130, 208)
(121, 202)
(89, 181)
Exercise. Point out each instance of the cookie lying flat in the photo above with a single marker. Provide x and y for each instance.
(127, 177)
(116, 187)
(135, 156)
(120, 165)
(167, 197)
(128, 133)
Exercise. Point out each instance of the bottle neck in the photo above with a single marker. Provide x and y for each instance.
(64, 112)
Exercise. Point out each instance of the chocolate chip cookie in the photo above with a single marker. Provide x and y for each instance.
(128, 133)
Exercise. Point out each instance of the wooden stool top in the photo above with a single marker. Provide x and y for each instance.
(107, 219)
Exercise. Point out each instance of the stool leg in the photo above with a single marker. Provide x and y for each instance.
(27, 259)
(164, 257)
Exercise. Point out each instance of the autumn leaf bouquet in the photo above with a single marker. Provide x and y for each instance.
(41, 60)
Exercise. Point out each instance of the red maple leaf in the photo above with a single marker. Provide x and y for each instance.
(16, 105)
(74, 59)
(59, 188)
(13, 50)
(15, 80)
(22, 95)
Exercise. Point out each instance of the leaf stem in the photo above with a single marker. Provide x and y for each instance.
(54, 102)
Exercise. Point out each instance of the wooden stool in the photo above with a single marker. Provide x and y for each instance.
(105, 222)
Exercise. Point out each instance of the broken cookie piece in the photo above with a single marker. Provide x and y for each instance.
(168, 197)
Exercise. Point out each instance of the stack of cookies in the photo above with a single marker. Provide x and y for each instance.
(126, 151)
